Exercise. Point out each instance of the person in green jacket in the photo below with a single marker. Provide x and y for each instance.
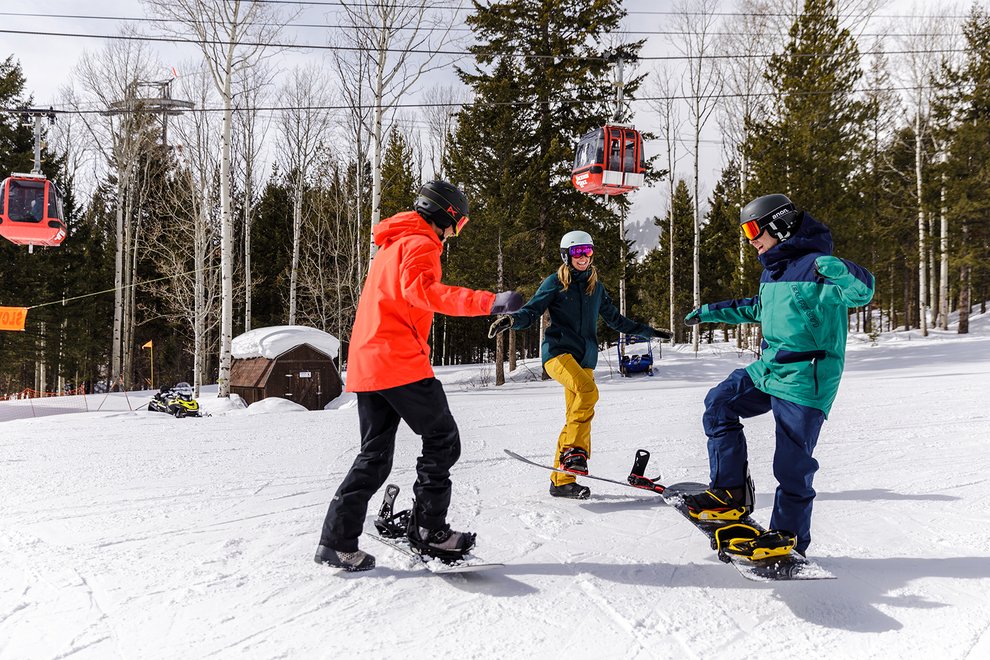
(803, 306)
(575, 299)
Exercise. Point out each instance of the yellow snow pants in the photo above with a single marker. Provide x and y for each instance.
(580, 397)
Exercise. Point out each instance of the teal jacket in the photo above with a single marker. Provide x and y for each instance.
(574, 318)
(803, 305)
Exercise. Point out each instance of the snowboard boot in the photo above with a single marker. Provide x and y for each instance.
(746, 541)
(574, 460)
(349, 561)
(443, 543)
(718, 504)
(573, 490)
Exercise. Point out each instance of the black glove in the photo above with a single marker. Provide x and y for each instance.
(662, 333)
(693, 318)
(501, 324)
(506, 302)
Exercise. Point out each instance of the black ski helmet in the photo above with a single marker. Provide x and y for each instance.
(442, 204)
(774, 213)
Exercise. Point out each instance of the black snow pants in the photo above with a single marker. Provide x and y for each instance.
(423, 406)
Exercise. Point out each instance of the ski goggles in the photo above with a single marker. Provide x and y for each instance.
(752, 229)
(459, 225)
(581, 251)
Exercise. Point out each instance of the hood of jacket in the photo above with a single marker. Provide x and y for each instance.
(811, 237)
(402, 224)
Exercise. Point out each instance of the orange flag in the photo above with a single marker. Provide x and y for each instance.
(13, 318)
(147, 345)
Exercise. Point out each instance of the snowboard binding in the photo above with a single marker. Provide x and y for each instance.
(403, 526)
(746, 541)
(391, 525)
(636, 477)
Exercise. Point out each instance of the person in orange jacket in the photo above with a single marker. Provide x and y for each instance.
(389, 368)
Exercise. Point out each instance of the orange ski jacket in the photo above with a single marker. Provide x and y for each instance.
(389, 343)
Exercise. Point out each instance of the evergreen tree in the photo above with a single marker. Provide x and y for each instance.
(271, 254)
(653, 277)
(968, 165)
(810, 144)
(398, 181)
(547, 59)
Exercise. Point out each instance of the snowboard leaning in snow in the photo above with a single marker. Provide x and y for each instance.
(391, 529)
(791, 566)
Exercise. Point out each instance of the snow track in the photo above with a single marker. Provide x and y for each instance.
(141, 536)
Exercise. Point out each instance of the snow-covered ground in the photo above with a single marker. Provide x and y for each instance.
(136, 535)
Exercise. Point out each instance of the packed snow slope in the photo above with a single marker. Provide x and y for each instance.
(136, 535)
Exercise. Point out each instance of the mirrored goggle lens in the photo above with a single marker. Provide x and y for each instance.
(581, 251)
(460, 225)
(751, 229)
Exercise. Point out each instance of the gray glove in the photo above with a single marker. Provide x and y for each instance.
(501, 324)
(662, 333)
(507, 302)
(693, 318)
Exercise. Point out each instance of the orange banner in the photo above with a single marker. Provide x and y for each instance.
(13, 318)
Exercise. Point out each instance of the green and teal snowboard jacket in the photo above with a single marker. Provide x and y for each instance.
(574, 318)
(803, 305)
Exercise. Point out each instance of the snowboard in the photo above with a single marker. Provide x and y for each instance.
(470, 563)
(391, 528)
(791, 566)
(648, 485)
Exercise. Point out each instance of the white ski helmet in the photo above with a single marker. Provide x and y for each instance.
(571, 239)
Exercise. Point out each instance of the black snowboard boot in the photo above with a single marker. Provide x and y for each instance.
(349, 561)
(574, 459)
(443, 542)
(573, 490)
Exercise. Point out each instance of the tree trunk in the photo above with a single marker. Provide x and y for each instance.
(922, 245)
(943, 293)
(226, 247)
(296, 240)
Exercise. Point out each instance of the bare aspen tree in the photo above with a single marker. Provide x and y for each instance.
(352, 65)
(109, 80)
(920, 65)
(401, 39)
(253, 87)
(696, 21)
(749, 33)
(194, 287)
(304, 125)
(667, 109)
(440, 106)
(232, 35)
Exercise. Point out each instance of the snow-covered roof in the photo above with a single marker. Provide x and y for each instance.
(272, 342)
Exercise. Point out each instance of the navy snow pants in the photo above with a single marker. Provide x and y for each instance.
(794, 467)
(423, 406)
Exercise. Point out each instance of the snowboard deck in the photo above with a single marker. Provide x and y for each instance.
(470, 564)
(391, 527)
(655, 488)
(791, 566)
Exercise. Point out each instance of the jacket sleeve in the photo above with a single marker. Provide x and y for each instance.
(743, 310)
(854, 284)
(535, 306)
(610, 314)
(422, 289)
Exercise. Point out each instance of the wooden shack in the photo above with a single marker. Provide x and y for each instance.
(302, 373)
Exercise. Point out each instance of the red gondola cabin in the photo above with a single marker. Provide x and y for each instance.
(609, 161)
(31, 211)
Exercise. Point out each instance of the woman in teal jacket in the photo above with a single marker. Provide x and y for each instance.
(803, 306)
(575, 299)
